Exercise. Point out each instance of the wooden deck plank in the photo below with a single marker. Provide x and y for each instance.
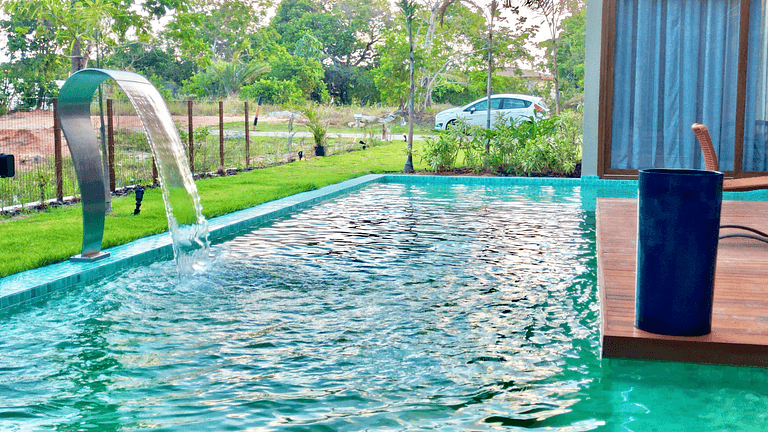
(740, 311)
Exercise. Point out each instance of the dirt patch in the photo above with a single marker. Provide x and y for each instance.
(133, 121)
(29, 147)
(29, 135)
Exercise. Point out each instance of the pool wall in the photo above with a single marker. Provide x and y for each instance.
(34, 285)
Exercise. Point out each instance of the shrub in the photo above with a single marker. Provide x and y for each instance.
(273, 91)
(517, 148)
(440, 152)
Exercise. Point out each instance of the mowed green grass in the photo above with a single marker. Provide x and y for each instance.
(55, 235)
(375, 128)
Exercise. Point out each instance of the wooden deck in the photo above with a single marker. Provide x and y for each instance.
(740, 311)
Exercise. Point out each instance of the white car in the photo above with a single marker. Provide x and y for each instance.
(515, 107)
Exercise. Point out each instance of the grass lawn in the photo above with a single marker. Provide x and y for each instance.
(395, 128)
(54, 235)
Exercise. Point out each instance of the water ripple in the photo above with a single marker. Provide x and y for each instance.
(395, 308)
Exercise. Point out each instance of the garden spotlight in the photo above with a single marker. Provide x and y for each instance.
(139, 197)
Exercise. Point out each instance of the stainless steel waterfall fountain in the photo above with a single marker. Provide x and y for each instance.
(187, 224)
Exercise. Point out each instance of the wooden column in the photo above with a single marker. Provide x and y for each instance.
(111, 145)
(190, 132)
(247, 138)
(58, 166)
(741, 89)
(221, 138)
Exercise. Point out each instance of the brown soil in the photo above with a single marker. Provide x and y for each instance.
(29, 135)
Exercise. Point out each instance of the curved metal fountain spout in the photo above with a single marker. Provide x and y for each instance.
(179, 191)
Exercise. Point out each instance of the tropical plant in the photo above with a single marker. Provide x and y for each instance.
(225, 78)
(549, 145)
(318, 126)
(440, 152)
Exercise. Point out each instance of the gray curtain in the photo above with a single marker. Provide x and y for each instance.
(755, 157)
(675, 64)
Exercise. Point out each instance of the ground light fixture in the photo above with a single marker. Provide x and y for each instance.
(139, 196)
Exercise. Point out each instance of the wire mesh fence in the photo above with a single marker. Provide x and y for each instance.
(221, 141)
(29, 136)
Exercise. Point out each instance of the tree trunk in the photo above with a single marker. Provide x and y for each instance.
(488, 84)
(556, 77)
(78, 61)
(431, 25)
(409, 159)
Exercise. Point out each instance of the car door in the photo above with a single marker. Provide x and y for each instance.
(477, 114)
(516, 110)
(472, 113)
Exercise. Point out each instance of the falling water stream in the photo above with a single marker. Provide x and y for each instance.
(188, 226)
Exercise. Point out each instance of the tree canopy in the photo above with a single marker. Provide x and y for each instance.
(338, 51)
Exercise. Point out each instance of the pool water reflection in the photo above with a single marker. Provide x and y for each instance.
(399, 307)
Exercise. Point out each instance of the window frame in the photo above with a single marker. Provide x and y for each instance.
(605, 113)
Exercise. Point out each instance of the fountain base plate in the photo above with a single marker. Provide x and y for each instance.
(89, 258)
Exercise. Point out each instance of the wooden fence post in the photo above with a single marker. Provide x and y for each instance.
(191, 138)
(221, 138)
(247, 138)
(57, 162)
(111, 145)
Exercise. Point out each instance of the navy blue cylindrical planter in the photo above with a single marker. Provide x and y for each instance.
(678, 222)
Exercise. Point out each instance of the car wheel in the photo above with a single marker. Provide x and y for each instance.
(450, 124)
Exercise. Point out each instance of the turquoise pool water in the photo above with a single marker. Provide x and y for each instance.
(398, 307)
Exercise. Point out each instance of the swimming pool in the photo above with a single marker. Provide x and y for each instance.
(398, 307)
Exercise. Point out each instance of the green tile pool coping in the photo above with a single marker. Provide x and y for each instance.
(37, 284)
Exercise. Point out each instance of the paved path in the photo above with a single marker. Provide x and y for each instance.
(241, 134)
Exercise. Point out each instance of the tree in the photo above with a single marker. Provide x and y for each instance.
(391, 75)
(553, 12)
(348, 32)
(84, 24)
(152, 61)
(445, 48)
(306, 72)
(491, 16)
(210, 30)
(408, 8)
(33, 63)
(570, 56)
